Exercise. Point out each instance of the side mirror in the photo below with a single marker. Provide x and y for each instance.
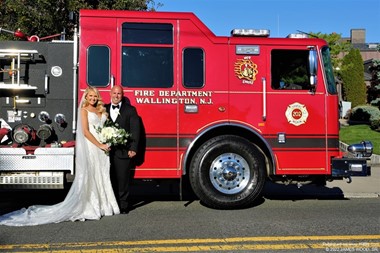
(313, 67)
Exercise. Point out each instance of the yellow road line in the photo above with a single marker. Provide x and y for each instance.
(334, 241)
(367, 247)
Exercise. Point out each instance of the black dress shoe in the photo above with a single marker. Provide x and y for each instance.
(124, 210)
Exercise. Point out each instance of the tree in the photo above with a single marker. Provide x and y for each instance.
(374, 89)
(352, 74)
(46, 17)
(337, 48)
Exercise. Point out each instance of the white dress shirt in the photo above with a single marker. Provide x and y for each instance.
(114, 112)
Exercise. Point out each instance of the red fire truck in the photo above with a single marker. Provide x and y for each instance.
(229, 113)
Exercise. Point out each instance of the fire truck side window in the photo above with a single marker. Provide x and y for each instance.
(193, 68)
(331, 86)
(98, 65)
(147, 33)
(147, 55)
(290, 70)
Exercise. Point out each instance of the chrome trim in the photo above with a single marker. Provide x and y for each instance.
(75, 80)
(228, 174)
(264, 82)
(46, 84)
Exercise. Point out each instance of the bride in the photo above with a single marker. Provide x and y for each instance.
(91, 195)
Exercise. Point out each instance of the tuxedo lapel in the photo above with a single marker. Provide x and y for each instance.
(118, 118)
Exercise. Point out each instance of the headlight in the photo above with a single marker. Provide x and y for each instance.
(363, 149)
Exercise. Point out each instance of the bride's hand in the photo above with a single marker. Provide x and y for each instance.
(104, 147)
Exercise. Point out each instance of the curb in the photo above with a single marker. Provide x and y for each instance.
(361, 195)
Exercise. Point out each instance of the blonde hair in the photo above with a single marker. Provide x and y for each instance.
(99, 104)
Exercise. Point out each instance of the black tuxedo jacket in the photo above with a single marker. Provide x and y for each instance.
(130, 121)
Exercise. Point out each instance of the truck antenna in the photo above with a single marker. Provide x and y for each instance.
(308, 34)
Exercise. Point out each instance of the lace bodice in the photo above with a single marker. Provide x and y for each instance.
(94, 121)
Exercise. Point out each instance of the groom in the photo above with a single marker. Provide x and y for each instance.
(125, 115)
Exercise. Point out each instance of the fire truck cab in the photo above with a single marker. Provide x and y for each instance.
(230, 113)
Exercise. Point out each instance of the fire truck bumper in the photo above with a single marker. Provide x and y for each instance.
(350, 167)
(45, 168)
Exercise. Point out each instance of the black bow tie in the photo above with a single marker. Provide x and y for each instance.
(115, 106)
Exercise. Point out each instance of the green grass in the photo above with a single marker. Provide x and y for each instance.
(357, 133)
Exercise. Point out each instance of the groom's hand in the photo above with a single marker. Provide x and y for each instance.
(131, 153)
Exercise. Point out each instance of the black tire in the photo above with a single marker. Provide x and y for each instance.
(227, 172)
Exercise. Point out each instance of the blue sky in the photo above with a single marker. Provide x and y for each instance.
(283, 17)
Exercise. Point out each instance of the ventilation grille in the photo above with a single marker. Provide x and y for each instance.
(32, 180)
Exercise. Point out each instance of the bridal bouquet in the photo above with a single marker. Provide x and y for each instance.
(112, 134)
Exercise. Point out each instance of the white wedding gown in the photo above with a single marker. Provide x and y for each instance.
(90, 196)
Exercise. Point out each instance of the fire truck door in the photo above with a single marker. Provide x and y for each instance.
(202, 87)
(147, 58)
(295, 114)
(122, 57)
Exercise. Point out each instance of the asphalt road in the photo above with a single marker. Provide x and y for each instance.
(337, 217)
(360, 187)
(304, 225)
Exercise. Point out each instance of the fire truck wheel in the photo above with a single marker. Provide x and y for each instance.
(227, 172)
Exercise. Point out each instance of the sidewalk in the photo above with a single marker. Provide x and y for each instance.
(360, 187)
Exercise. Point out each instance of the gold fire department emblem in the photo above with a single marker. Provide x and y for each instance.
(245, 69)
(296, 114)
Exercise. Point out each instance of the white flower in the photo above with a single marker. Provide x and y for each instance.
(107, 133)
(111, 134)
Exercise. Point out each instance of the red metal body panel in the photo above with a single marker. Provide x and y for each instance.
(225, 99)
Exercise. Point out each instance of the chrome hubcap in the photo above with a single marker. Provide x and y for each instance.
(229, 173)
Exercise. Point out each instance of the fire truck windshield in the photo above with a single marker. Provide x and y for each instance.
(329, 73)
